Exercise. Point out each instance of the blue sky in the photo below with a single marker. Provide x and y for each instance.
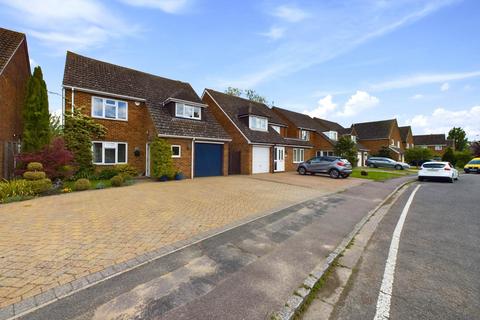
(347, 61)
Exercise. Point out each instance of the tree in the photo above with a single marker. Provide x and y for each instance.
(449, 156)
(248, 93)
(459, 137)
(36, 118)
(475, 147)
(417, 154)
(161, 159)
(384, 152)
(347, 149)
(56, 127)
(79, 131)
(234, 92)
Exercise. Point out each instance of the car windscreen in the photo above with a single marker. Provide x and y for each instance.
(433, 165)
(474, 162)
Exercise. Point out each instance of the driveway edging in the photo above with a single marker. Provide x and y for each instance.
(295, 302)
(52, 295)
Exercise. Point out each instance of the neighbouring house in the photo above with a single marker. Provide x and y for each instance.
(302, 126)
(135, 107)
(407, 137)
(435, 142)
(335, 130)
(259, 136)
(376, 135)
(14, 74)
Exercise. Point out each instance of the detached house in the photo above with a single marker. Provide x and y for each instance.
(259, 136)
(381, 134)
(135, 107)
(14, 74)
(407, 137)
(435, 142)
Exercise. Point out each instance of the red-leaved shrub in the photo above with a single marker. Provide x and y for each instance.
(57, 161)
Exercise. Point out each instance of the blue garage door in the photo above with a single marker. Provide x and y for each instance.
(208, 159)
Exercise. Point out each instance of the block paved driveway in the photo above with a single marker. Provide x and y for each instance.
(51, 241)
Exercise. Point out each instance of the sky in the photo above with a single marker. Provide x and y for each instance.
(346, 61)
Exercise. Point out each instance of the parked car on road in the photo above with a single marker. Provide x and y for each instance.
(437, 170)
(381, 162)
(472, 166)
(335, 167)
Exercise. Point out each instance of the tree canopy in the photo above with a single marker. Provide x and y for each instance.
(459, 137)
(347, 149)
(247, 93)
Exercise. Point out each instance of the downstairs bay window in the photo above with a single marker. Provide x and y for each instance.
(109, 152)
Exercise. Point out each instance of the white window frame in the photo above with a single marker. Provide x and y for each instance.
(332, 135)
(186, 106)
(179, 150)
(438, 147)
(307, 135)
(104, 106)
(276, 128)
(354, 138)
(298, 155)
(398, 144)
(392, 142)
(116, 153)
(264, 129)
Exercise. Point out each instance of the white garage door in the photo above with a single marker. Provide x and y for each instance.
(261, 159)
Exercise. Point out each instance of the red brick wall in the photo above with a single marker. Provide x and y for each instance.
(13, 84)
(137, 131)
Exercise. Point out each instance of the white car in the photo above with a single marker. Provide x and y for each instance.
(437, 170)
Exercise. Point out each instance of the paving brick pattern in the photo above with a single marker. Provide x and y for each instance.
(57, 240)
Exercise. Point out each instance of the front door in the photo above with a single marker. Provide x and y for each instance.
(279, 159)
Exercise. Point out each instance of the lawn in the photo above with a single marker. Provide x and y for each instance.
(380, 174)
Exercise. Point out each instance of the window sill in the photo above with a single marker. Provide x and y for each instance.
(112, 119)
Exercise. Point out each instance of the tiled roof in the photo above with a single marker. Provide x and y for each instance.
(300, 120)
(429, 140)
(374, 130)
(235, 106)
(86, 73)
(331, 126)
(9, 42)
(404, 132)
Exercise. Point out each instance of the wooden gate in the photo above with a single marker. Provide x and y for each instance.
(234, 162)
(10, 150)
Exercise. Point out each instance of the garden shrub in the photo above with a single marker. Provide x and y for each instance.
(17, 188)
(35, 166)
(126, 176)
(116, 181)
(161, 159)
(462, 158)
(55, 159)
(34, 175)
(126, 169)
(100, 185)
(107, 174)
(82, 184)
(40, 186)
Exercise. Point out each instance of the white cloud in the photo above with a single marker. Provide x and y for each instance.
(441, 120)
(423, 79)
(168, 6)
(418, 96)
(72, 25)
(445, 86)
(290, 13)
(358, 103)
(324, 109)
(274, 33)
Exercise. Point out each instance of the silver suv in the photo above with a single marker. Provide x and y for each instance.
(336, 167)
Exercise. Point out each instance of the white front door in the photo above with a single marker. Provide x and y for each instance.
(260, 159)
(279, 159)
(359, 159)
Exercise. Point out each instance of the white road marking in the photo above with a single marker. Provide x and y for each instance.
(385, 294)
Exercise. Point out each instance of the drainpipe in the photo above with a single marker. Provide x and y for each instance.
(63, 106)
(73, 97)
(193, 155)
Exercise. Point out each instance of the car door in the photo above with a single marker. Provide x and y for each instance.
(314, 164)
(324, 164)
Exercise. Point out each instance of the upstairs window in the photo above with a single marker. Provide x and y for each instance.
(276, 128)
(106, 108)
(332, 135)
(353, 138)
(305, 135)
(187, 111)
(258, 123)
(438, 148)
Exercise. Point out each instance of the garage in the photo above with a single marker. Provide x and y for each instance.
(208, 159)
(261, 159)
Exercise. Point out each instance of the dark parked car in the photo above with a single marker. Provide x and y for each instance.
(336, 167)
(381, 162)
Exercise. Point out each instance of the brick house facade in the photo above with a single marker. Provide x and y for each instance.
(14, 74)
(437, 143)
(407, 137)
(253, 150)
(135, 107)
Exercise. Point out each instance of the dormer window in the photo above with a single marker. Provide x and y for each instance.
(258, 123)
(276, 128)
(183, 110)
(353, 138)
(305, 135)
(332, 135)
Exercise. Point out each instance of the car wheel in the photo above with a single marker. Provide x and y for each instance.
(302, 171)
(334, 174)
(398, 167)
(466, 171)
(420, 179)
